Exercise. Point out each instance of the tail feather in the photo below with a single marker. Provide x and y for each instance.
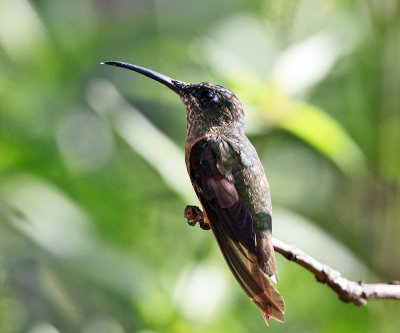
(270, 301)
(266, 317)
(273, 312)
(246, 269)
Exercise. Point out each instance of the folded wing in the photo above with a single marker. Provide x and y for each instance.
(211, 162)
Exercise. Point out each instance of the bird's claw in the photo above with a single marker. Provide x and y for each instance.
(191, 223)
(193, 214)
(205, 225)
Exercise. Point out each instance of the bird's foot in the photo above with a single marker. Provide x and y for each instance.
(193, 214)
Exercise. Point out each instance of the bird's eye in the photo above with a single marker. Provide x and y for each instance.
(207, 96)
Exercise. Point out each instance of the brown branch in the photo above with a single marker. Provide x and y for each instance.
(348, 291)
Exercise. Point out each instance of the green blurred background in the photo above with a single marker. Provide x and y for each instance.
(92, 176)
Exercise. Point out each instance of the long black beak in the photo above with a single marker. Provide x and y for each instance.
(175, 85)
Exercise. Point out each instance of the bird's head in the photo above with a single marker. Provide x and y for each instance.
(209, 107)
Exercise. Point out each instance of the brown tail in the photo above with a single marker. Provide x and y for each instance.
(269, 300)
(248, 273)
(274, 309)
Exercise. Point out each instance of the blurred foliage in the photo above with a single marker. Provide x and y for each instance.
(93, 184)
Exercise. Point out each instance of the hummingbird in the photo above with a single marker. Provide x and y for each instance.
(230, 183)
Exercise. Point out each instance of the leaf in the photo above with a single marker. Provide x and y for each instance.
(326, 135)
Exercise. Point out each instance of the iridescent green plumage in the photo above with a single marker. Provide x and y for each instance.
(230, 183)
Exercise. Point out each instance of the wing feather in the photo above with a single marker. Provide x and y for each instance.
(232, 224)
